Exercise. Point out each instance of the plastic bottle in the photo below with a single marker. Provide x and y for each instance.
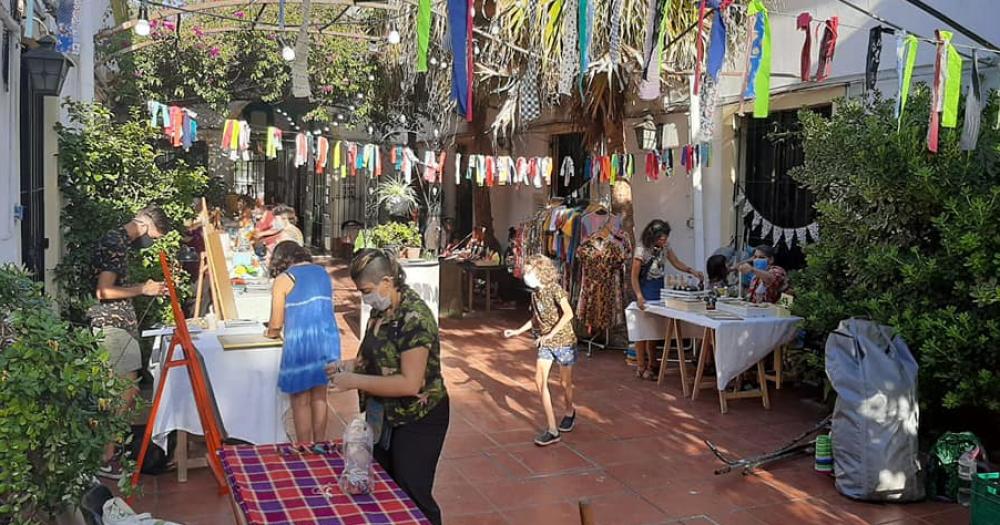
(966, 470)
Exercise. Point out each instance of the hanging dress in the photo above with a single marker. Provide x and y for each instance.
(311, 336)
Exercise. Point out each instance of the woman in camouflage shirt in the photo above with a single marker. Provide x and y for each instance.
(398, 377)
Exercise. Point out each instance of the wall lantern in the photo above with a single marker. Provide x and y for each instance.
(645, 133)
(46, 67)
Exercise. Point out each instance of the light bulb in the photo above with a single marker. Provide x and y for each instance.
(336, 124)
(327, 128)
(340, 117)
(288, 53)
(434, 61)
(371, 130)
(360, 96)
(141, 27)
(495, 29)
(402, 119)
(393, 37)
(351, 108)
(371, 78)
(476, 51)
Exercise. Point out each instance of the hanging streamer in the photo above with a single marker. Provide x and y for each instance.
(699, 47)
(953, 86)
(802, 23)
(569, 61)
(585, 16)
(906, 57)
(423, 34)
(458, 16)
(759, 84)
(937, 91)
(827, 47)
(973, 108)
(649, 89)
(874, 57)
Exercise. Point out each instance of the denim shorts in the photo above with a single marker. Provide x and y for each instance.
(565, 356)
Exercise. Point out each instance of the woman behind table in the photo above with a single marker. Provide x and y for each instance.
(398, 375)
(648, 269)
(769, 280)
(302, 307)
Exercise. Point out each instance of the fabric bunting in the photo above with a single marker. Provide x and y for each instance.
(803, 23)
(874, 57)
(717, 43)
(973, 107)
(649, 89)
(569, 61)
(937, 90)
(423, 34)
(827, 47)
(699, 47)
(906, 57)
(616, 31)
(585, 19)
(459, 15)
(759, 79)
(953, 85)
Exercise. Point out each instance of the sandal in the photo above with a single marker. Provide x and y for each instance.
(648, 375)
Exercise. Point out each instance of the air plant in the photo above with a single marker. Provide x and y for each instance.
(397, 196)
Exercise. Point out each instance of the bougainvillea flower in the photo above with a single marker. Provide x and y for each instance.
(214, 52)
(239, 14)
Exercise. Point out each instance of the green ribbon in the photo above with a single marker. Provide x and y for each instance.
(762, 81)
(953, 85)
(910, 48)
(423, 34)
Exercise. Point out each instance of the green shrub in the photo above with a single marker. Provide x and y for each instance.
(60, 403)
(109, 171)
(396, 234)
(910, 239)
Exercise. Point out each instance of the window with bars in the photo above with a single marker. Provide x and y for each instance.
(772, 147)
(248, 176)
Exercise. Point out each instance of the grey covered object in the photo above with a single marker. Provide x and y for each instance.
(875, 420)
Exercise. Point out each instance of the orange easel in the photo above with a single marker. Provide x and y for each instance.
(208, 411)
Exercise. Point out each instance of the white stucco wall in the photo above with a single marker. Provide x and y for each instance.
(10, 154)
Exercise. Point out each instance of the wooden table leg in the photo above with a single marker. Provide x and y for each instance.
(706, 348)
(181, 456)
(763, 385)
(681, 361)
(778, 366)
(723, 405)
(472, 287)
(489, 290)
(666, 349)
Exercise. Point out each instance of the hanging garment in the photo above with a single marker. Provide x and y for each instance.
(616, 31)
(378, 160)
(569, 60)
(973, 108)
(423, 34)
(337, 166)
(699, 45)
(906, 57)
(175, 132)
(874, 57)
(953, 86)
(322, 151)
(548, 165)
(520, 170)
(567, 170)
(602, 272)
(649, 89)
(490, 167)
(827, 46)
(937, 89)
(759, 84)
(245, 140)
(460, 32)
(652, 167)
(301, 151)
(159, 114)
(717, 43)
(585, 18)
(190, 129)
(803, 23)
(407, 164)
(273, 142)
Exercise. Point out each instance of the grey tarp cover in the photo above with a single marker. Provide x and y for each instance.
(874, 429)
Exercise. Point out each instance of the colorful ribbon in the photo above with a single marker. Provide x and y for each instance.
(423, 34)
(759, 84)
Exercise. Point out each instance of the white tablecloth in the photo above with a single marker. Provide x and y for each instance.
(253, 304)
(245, 384)
(740, 344)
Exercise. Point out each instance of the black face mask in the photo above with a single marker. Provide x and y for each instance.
(143, 241)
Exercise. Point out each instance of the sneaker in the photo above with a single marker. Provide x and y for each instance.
(567, 423)
(111, 470)
(547, 438)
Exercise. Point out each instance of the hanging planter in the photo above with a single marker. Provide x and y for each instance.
(397, 197)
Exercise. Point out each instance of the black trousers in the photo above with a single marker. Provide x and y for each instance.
(412, 458)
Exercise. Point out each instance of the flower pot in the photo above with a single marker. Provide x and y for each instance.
(411, 253)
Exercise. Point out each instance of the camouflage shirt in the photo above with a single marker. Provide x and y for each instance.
(112, 256)
(410, 325)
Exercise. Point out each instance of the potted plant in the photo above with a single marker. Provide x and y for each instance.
(404, 238)
(397, 196)
(60, 404)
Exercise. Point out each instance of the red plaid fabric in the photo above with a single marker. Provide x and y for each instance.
(273, 484)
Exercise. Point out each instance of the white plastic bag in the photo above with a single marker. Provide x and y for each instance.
(117, 512)
(357, 475)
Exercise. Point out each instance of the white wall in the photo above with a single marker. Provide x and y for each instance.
(10, 154)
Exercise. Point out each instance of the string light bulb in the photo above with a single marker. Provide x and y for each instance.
(288, 53)
(141, 27)
(393, 37)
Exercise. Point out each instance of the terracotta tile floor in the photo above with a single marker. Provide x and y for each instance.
(636, 454)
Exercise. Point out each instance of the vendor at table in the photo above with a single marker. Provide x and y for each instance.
(769, 280)
(398, 376)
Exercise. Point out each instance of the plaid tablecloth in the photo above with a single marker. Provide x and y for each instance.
(273, 485)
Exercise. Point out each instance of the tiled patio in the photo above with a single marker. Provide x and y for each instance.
(637, 452)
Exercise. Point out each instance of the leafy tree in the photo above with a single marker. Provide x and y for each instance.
(109, 171)
(910, 239)
(60, 403)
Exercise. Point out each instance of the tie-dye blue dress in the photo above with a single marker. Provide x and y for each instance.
(311, 335)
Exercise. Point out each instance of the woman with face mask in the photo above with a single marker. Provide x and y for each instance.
(551, 318)
(769, 280)
(398, 377)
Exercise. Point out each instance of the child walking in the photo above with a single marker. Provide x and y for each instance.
(551, 318)
(302, 307)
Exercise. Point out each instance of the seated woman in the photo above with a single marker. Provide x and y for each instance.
(769, 280)
(398, 376)
(718, 271)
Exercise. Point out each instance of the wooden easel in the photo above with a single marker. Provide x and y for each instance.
(208, 411)
(213, 266)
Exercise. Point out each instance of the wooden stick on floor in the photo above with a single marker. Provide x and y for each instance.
(586, 513)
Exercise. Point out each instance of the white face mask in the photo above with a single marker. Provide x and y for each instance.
(279, 223)
(532, 280)
(376, 300)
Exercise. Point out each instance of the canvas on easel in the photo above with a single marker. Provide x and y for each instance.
(213, 266)
(204, 397)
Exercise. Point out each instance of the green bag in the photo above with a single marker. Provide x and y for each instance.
(942, 465)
